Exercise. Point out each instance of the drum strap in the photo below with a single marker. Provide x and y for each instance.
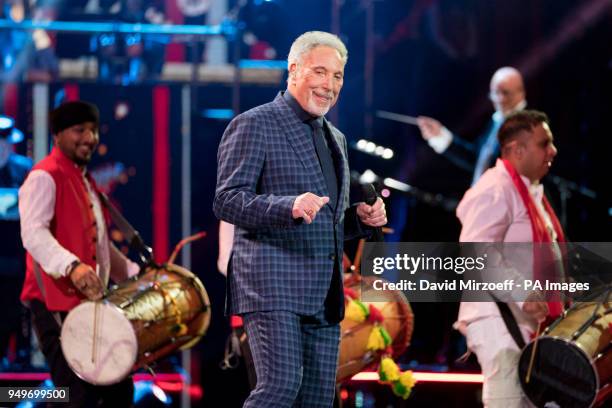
(511, 324)
(41, 286)
(39, 280)
(131, 235)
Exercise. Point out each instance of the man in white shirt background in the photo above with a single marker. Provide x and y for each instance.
(70, 257)
(507, 93)
(507, 204)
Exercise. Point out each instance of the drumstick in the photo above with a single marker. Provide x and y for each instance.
(410, 120)
(357, 263)
(95, 334)
(532, 357)
(184, 242)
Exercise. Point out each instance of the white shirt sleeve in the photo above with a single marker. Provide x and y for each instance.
(36, 210)
(485, 217)
(441, 141)
(226, 242)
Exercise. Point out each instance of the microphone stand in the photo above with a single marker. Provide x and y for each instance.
(565, 188)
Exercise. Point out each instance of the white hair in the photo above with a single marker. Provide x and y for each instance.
(313, 39)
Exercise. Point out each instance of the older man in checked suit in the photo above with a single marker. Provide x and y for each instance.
(283, 181)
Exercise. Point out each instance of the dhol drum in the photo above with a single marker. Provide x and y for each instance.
(572, 365)
(142, 319)
(398, 321)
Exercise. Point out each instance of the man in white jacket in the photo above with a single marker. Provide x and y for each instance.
(508, 204)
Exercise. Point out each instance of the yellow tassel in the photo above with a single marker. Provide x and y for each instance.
(388, 370)
(376, 341)
(400, 390)
(403, 387)
(407, 379)
(355, 311)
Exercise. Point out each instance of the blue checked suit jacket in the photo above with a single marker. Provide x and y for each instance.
(266, 159)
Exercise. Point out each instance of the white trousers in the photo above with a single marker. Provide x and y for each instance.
(498, 356)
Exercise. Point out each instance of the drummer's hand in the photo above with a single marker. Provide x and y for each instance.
(536, 307)
(84, 278)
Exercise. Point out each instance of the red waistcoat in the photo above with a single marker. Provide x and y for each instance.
(73, 226)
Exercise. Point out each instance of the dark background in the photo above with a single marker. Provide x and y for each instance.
(430, 57)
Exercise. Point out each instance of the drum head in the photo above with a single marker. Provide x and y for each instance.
(103, 352)
(562, 375)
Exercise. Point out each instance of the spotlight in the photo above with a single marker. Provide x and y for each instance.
(5, 122)
(368, 176)
(220, 114)
(9, 131)
(122, 109)
(102, 149)
(387, 154)
(396, 184)
(148, 394)
(373, 149)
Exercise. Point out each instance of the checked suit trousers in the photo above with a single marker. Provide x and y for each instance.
(295, 359)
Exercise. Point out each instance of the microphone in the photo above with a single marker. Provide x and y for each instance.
(370, 197)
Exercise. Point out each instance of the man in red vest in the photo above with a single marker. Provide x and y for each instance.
(70, 257)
